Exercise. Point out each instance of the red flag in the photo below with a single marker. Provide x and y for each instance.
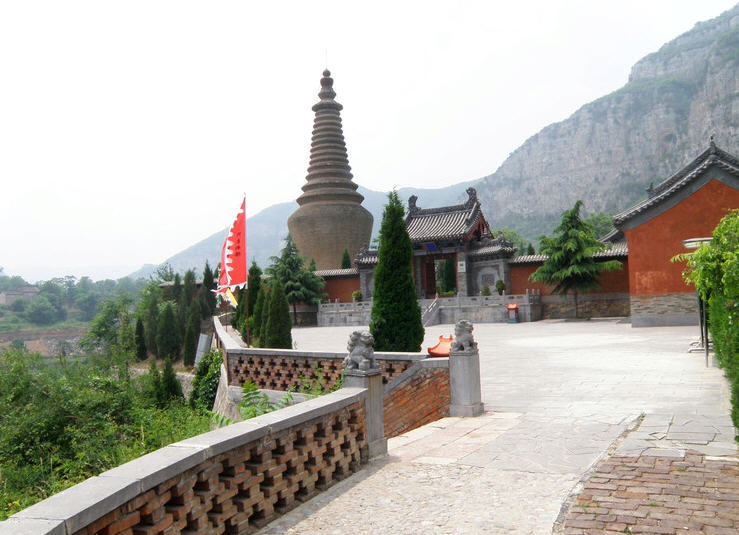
(233, 254)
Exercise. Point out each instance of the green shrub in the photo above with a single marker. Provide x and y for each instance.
(486, 290)
(714, 269)
(357, 295)
(205, 382)
(500, 286)
(255, 403)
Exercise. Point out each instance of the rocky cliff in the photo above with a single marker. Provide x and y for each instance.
(610, 150)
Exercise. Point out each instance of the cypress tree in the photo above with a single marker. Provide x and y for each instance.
(449, 275)
(155, 384)
(238, 316)
(192, 332)
(258, 316)
(205, 311)
(255, 283)
(346, 261)
(396, 317)
(278, 334)
(168, 339)
(530, 249)
(570, 265)
(152, 321)
(140, 339)
(189, 288)
(209, 284)
(171, 387)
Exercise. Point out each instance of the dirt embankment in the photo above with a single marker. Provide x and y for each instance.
(47, 342)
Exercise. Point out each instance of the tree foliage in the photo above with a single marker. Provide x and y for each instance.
(259, 316)
(570, 266)
(278, 331)
(168, 338)
(140, 339)
(298, 283)
(601, 222)
(714, 270)
(192, 333)
(255, 283)
(346, 260)
(205, 382)
(396, 317)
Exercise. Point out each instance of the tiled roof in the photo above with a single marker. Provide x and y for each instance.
(447, 222)
(366, 257)
(491, 250)
(335, 273)
(711, 156)
(617, 250)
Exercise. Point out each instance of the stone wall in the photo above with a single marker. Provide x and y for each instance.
(418, 396)
(666, 309)
(589, 305)
(231, 480)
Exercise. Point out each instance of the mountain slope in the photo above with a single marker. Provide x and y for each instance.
(610, 150)
(266, 230)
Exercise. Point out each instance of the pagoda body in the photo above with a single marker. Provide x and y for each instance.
(331, 217)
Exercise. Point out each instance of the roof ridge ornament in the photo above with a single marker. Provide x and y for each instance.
(412, 207)
(472, 197)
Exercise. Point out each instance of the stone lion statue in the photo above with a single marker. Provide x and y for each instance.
(463, 341)
(361, 354)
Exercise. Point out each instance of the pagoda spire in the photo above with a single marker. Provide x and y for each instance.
(330, 218)
(329, 175)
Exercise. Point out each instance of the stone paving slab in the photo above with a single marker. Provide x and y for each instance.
(560, 398)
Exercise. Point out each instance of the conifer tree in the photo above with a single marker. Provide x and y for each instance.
(155, 384)
(209, 284)
(530, 249)
(189, 287)
(192, 333)
(258, 318)
(570, 266)
(278, 333)
(346, 261)
(140, 339)
(299, 284)
(171, 387)
(152, 321)
(255, 283)
(168, 339)
(396, 317)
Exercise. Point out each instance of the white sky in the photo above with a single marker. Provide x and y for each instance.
(129, 130)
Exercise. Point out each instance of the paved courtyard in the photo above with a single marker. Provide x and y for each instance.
(559, 397)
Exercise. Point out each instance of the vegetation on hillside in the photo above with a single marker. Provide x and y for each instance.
(62, 423)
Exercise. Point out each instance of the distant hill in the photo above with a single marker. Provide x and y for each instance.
(610, 150)
(266, 230)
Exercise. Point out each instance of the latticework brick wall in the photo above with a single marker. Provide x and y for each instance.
(280, 372)
(245, 488)
(419, 399)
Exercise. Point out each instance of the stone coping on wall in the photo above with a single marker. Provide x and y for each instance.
(266, 352)
(77, 507)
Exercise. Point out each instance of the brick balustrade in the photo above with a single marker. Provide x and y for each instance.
(231, 480)
(417, 397)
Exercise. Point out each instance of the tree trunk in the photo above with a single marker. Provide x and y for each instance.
(576, 314)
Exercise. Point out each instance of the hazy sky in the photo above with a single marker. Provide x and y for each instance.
(129, 130)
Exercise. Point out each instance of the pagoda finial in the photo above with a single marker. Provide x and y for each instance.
(327, 88)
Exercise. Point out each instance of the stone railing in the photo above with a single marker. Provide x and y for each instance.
(479, 308)
(234, 479)
(280, 369)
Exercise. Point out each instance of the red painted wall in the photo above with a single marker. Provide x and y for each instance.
(652, 244)
(611, 282)
(341, 288)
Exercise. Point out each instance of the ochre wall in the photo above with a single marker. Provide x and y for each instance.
(652, 244)
(611, 282)
(341, 289)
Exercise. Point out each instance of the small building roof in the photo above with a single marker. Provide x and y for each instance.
(444, 223)
(616, 250)
(680, 182)
(366, 257)
(336, 273)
